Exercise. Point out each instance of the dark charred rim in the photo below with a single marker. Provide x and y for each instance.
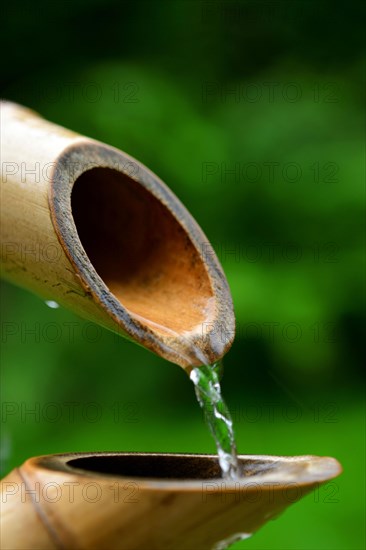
(258, 470)
(86, 154)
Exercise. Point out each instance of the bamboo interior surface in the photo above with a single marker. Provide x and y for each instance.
(141, 251)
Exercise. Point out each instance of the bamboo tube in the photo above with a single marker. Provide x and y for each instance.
(91, 228)
(133, 501)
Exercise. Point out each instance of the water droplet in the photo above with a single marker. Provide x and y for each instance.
(223, 544)
(52, 304)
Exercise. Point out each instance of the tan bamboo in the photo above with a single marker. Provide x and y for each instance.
(137, 501)
(91, 228)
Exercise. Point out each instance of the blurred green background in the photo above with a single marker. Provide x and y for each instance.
(252, 113)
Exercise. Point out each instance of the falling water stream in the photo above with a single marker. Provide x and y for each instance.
(206, 380)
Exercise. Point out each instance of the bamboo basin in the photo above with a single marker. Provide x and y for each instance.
(140, 501)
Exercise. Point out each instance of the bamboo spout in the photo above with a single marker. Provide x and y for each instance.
(134, 501)
(90, 227)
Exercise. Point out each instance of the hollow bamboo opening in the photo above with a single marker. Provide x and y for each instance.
(141, 252)
(168, 466)
(150, 466)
